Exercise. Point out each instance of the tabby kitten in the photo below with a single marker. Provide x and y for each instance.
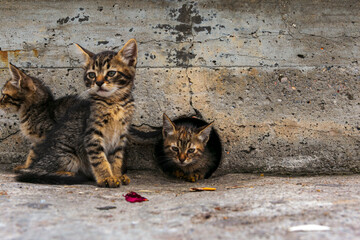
(35, 104)
(190, 149)
(91, 137)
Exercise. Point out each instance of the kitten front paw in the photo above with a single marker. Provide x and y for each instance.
(18, 168)
(110, 182)
(194, 177)
(178, 174)
(125, 180)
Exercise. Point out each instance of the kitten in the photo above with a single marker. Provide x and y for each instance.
(33, 101)
(136, 134)
(91, 137)
(190, 149)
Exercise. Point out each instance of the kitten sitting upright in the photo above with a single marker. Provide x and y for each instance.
(35, 104)
(92, 136)
(190, 149)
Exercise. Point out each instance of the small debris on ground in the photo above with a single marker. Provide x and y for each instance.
(308, 228)
(40, 205)
(134, 197)
(239, 186)
(202, 189)
(106, 208)
(145, 191)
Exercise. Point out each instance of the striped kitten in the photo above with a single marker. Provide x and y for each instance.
(35, 104)
(190, 149)
(91, 138)
(135, 134)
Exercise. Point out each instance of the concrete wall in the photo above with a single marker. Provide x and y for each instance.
(280, 78)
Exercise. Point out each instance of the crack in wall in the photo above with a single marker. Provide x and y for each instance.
(185, 54)
(332, 132)
(326, 38)
(191, 92)
(284, 4)
(8, 136)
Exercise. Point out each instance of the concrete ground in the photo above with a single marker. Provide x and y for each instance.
(244, 206)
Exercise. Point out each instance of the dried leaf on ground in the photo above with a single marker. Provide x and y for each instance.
(202, 189)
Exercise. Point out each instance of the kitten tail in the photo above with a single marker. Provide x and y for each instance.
(138, 136)
(42, 177)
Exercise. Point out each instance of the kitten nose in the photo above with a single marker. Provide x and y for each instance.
(182, 158)
(99, 83)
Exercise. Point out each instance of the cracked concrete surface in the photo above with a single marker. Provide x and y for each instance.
(279, 78)
(244, 206)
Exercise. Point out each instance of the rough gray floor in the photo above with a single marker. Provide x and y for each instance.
(260, 207)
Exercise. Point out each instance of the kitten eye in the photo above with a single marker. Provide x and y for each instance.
(91, 75)
(191, 150)
(111, 73)
(175, 149)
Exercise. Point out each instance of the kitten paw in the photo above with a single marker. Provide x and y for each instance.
(110, 182)
(18, 168)
(125, 180)
(178, 174)
(194, 177)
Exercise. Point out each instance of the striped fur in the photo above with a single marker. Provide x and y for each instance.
(34, 103)
(91, 137)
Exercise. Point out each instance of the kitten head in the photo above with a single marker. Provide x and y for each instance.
(108, 72)
(184, 144)
(22, 90)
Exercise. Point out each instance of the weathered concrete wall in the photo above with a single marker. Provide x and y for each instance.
(280, 78)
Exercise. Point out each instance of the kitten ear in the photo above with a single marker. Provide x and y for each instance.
(128, 54)
(16, 75)
(168, 126)
(86, 53)
(203, 133)
(20, 79)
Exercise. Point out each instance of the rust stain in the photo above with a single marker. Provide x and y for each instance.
(36, 52)
(4, 57)
(15, 53)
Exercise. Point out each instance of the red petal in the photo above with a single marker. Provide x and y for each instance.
(134, 197)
